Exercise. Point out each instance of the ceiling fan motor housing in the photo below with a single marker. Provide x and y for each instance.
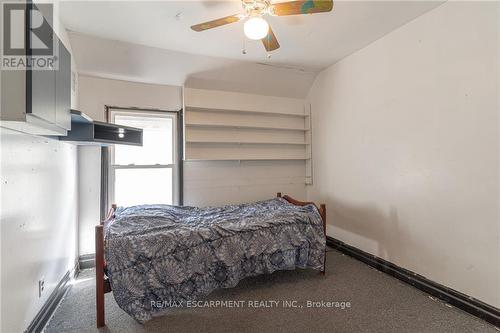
(256, 7)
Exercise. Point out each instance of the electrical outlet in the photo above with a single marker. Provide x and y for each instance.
(41, 286)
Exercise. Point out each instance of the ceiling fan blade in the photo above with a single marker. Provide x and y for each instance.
(302, 7)
(218, 22)
(270, 42)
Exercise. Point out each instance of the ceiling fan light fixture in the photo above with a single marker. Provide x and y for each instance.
(256, 28)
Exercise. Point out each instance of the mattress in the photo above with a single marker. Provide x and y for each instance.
(161, 255)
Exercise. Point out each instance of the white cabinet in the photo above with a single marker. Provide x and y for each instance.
(38, 101)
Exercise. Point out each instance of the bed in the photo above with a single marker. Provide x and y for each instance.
(155, 256)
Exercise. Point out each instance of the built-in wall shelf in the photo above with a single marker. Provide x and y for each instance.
(222, 126)
(229, 126)
(253, 112)
(248, 159)
(246, 142)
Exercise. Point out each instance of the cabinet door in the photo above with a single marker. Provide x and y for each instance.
(41, 92)
(63, 89)
(41, 84)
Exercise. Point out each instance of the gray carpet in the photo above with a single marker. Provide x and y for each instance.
(379, 303)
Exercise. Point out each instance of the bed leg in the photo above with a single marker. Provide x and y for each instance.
(99, 275)
(322, 212)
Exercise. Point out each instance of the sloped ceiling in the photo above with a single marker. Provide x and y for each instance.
(151, 41)
(132, 62)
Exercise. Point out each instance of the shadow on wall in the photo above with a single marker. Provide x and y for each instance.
(380, 233)
(253, 78)
(132, 62)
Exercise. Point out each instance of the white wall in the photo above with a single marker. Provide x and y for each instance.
(38, 223)
(89, 196)
(406, 147)
(94, 95)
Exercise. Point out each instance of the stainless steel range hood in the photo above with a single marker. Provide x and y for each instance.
(85, 131)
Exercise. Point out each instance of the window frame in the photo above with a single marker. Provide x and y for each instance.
(175, 166)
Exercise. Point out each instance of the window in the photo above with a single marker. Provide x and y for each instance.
(147, 174)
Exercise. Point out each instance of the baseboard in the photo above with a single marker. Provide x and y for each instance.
(86, 261)
(457, 299)
(48, 309)
(75, 270)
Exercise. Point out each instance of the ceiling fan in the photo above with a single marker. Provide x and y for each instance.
(256, 27)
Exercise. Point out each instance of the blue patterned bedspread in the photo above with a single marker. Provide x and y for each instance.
(160, 254)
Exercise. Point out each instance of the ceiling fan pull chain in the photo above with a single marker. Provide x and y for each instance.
(244, 51)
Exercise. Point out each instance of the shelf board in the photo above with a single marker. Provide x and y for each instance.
(247, 159)
(246, 142)
(246, 127)
(270, 113)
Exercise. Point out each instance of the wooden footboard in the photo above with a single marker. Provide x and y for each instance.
(103, 286)
(322, 213)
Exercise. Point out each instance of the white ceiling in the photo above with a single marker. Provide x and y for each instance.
(311, 42)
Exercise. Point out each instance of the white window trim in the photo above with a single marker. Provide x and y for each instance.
(174, 166)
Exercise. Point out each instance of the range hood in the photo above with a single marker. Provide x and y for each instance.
(85, 131)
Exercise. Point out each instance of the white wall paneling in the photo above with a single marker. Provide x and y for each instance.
(214, 183)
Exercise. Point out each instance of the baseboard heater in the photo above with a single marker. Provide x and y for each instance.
(85, 131)
(455, 298)
(43, 316)
(86, 261)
